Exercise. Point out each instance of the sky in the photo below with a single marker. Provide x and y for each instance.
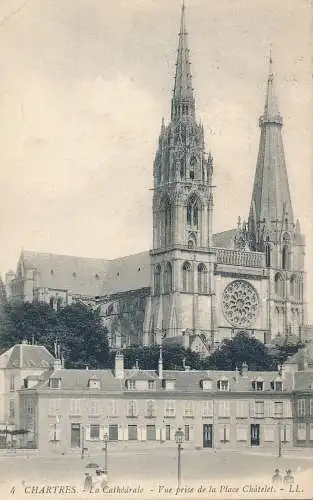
(84, 85)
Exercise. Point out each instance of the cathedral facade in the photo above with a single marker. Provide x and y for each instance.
(194, 287)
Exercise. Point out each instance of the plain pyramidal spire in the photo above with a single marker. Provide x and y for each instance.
(271, 111)
(183, 100)
(271, 201)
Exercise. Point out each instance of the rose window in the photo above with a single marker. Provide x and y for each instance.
(240, 303)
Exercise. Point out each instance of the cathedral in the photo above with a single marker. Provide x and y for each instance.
(194, 288)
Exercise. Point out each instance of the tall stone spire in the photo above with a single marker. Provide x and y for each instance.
(271, 207)
(183, 104)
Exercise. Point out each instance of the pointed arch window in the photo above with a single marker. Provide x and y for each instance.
(168, 278)
(294, 287)
(157, 279)
(279, 285)
(187, 277)
(286, 252)
(193, 213)
(268, 253)
(167, 223)
(202, 279)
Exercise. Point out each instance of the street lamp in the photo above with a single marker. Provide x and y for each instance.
(279, 439)
(105, 440)
(179, 437)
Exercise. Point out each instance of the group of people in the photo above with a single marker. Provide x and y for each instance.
(279, 478)
(96, 481)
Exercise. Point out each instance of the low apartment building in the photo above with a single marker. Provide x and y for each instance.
(74, 409)
(21, 364)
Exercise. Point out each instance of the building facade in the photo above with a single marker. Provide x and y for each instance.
(193, 287)
(74, 409)
(22, 365)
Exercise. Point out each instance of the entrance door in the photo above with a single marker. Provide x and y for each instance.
(255, 434)
(113, 432)
(151, 434)
(132, 433)
(75, 436)
(207, 435)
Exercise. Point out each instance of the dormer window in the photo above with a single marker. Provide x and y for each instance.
(150, 384)
(94, 383)
(130, 384)
(277, 385)
(206, 384)
(257, 385)
(55, 383)
(168, 384)
(223, 385)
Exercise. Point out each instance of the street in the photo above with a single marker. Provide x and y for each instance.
(155, 469)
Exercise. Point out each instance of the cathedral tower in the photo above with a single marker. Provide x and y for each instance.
(182, 264)
(272, 226)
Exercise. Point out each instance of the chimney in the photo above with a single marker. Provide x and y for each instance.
(119, 365)
(57, 364)
(244, 370)
(160, 364)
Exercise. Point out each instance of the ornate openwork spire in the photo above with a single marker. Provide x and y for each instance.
(183, 100)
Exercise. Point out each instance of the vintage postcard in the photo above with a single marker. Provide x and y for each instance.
(156, 312)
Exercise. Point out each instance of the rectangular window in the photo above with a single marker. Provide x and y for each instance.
(259, 409)
(131, 384)
(278, 408)
(168, 432)
(75, 406)
(54, 432)
(311, 432)
(269, 433)
(207, 409)
(29, 406)
(94, 407)
(12, 383)
(75, 435)
(53, 406)
(301, 408)
(187, 434)
(113, 412)
(131, 409)
(150, 408)
(242, 433)
(311, 407)
(169, 409)
(188, 410)
(150, 384)
(94, 431)
(11, 408)
(301, 432)
(242, 409)
(223, 409)
(224, 433)
(132, 433)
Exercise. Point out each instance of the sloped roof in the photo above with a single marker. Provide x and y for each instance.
(79, 275)
(304, 381)
(98, 277)
(27, 356)
(77, 380)
(225, 239)
(127, 273)
(185, 381)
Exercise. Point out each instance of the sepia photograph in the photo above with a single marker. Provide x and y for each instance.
(156, 263)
